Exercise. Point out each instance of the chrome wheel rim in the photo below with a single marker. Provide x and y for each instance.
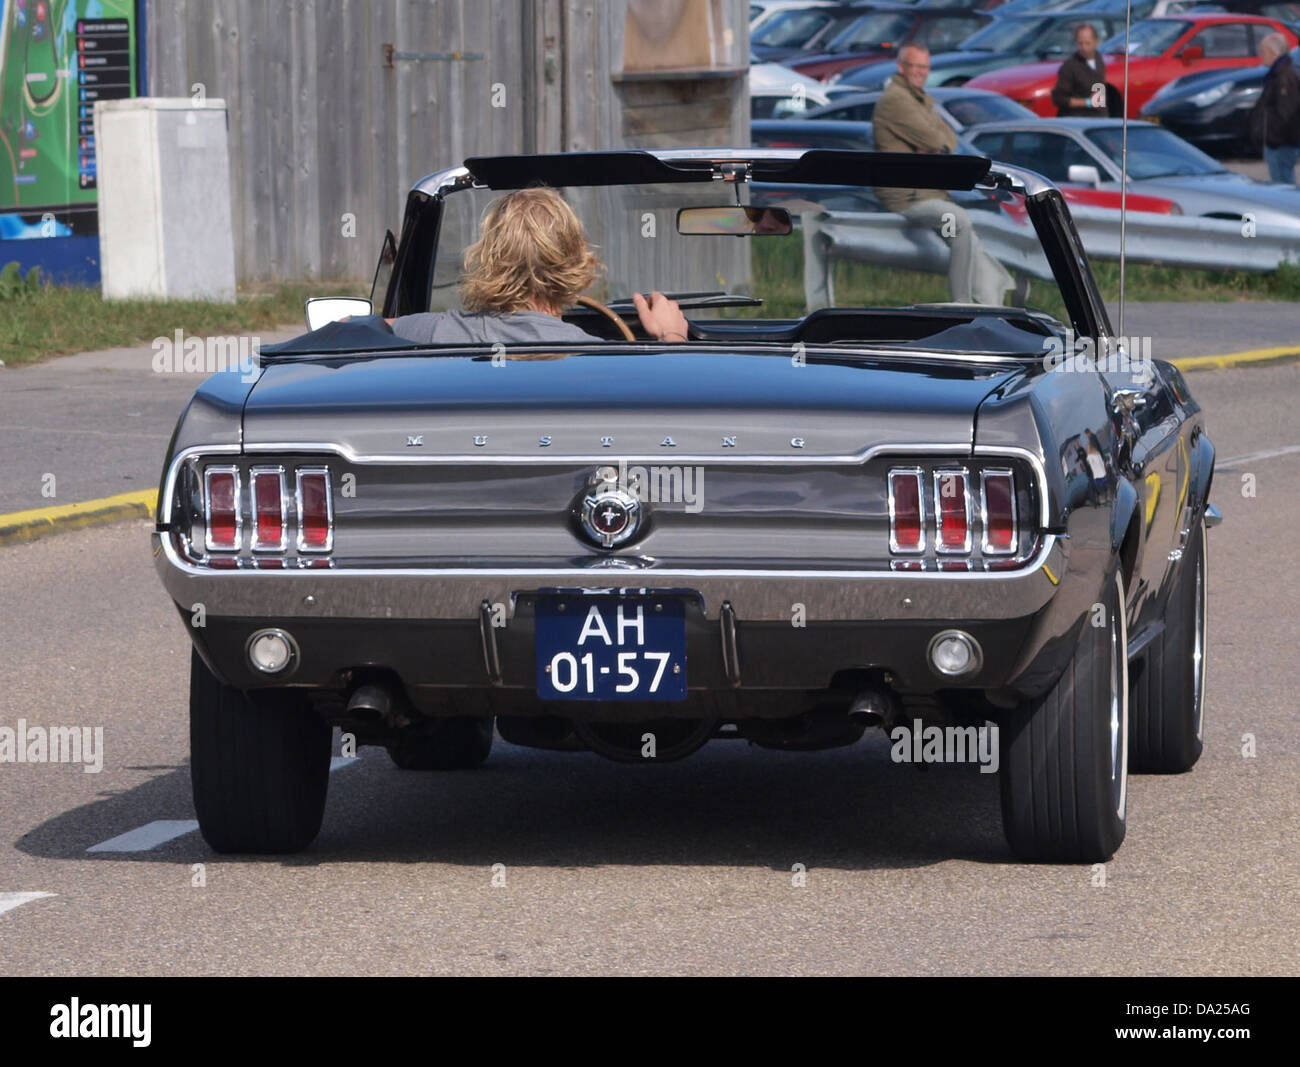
(1198, 644)
(1119, 706)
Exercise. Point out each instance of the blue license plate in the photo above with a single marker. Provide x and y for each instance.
(610, 648)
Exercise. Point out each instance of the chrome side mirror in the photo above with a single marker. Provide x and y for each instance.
(1083, 174)
(322, 310)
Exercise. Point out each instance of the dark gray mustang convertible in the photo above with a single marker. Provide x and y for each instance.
(843, 499)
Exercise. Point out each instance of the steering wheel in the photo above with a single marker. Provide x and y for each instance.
(613, 316)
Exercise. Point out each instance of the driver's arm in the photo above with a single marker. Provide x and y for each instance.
(660, 317)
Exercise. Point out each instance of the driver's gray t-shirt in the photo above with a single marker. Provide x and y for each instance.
(460, 327)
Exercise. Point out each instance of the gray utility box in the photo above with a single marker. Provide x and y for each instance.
(164, 199)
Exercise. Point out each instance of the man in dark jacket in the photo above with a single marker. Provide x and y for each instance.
(1081, 82)
(1275, 119)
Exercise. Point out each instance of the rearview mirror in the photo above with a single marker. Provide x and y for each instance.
(1083, 174)
(1192, 53)
(733, 221)
(322, 310)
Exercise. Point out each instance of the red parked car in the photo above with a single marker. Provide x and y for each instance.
(1163, 49)
(1109, 198)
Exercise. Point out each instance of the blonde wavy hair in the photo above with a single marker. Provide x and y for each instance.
(531, 251)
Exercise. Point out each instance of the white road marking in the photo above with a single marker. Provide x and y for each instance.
(151, 835)
(9, 901)
(1252, 457)
(148, 836)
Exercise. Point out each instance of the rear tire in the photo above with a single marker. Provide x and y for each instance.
(259, 764)
(1168, 718)
(1065, 754)
(455, 744)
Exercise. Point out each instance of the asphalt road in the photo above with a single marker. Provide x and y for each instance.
(99, 422)
(684, 868)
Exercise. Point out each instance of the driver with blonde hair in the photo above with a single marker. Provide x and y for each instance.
(530, 263)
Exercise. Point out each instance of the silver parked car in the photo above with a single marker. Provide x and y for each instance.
(1085, 153)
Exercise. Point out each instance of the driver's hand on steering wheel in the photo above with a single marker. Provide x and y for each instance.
(660, 317)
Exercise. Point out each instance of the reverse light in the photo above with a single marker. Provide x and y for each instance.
(954, 653)
(271, 651)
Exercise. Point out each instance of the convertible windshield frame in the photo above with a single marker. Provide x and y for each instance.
(411, 284)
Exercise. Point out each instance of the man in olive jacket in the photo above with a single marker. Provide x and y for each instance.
(905, 120)
(1275, 119)
(1081, 82)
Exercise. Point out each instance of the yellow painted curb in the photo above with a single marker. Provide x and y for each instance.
(1235, 359)
(29, 525)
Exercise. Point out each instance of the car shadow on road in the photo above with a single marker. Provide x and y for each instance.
(731, 804)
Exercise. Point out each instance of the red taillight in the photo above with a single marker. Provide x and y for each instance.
(315, 510)
(998, 509)
(952, 509)
(906, 510)
(268, 506)
(221, 513)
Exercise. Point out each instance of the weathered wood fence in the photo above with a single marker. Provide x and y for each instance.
(336, 107)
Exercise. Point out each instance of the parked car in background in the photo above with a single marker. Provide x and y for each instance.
(776, 91)
(1137, 9)
(762, 12)
(1004, 42)
(1085, 153)
(989, 6)
(1162, 49)
(1283, 10)
(805, 133)
(815, 132)
(1212, 109)
(960, 107)
(885, 29)
(799, 31)
(1020, 7)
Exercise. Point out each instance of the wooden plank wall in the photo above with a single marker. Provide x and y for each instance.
(326, 137)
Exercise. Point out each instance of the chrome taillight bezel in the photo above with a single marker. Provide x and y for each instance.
(277, 472)
(940, 547)
(986, 547)
(208, 542)
(302, 545)
(895, 546)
